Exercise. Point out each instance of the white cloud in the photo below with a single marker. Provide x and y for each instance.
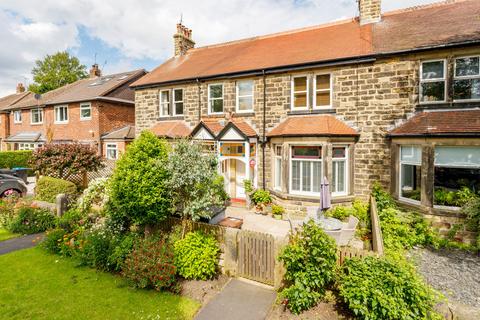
(144, 28)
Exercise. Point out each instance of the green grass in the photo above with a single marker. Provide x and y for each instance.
(5, 234)
(37, 285)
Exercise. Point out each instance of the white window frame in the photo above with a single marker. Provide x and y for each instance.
(238, 96)
(292, 93)
(174, 102)
(26, 146)
(455, 77)
(444, 79)
(15, 113)
(290, 172)
(31, 115)
(346, 173)
(400, 172)
(111, 146)
(275, 159)
(210, 111)
(161, 104)
(55, 110)
(315, 90)
(83, 106)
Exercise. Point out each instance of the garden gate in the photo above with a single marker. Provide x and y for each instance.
(256, 257)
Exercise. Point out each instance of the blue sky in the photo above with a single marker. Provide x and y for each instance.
(132, 34)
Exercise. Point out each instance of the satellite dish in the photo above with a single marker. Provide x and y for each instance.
(37, 96)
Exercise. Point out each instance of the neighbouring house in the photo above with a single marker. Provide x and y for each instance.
(390, 97)
(99, 111)
(5, 103)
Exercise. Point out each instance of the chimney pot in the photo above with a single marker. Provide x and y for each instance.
(95, 71)
(183, 40)
(20, 88)
(370, 11)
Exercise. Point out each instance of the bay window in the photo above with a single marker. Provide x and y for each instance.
(433, 81)
(305, 169)
(466, 83)
(299, 93)
(278, 168)
(215, 98)
(323, 91)
(339, 171)
(410, 172)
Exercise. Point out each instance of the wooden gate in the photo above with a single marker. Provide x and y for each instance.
(256, 258)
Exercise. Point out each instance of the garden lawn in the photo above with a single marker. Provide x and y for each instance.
(37, 285)
(5, 235)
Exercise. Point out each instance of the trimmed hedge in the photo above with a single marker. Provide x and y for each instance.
(47, 188)
(12, 159)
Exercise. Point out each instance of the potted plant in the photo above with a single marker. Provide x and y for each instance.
(260, 199)
(278, 211)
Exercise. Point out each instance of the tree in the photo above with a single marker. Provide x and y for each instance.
(55, 71)
(194, 183)
(138, 186)
(65, 160)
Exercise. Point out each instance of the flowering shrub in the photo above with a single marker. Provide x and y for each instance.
(96, 247)
(71, 220)
(71, 243)
(30, 220)
(309, 260)
(150, 265)
(196, 256)
(7, 211)
(97, 193)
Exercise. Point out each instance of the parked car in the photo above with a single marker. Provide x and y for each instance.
(11, 185)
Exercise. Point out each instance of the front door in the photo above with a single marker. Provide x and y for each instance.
(234, 173)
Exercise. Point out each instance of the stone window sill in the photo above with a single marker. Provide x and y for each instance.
(171, 118)
(313, 111)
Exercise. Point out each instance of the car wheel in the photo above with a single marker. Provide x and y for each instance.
(11, 193)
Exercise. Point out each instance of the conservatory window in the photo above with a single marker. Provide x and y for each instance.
(410, 172)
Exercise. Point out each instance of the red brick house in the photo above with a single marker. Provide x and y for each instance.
(85, 111)
(390, 97)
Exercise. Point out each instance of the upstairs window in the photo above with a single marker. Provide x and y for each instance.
(61, 114)
(17, 116)
(215, 98)
(433, 81)
(85, 111)
(466, 83)
(245, 96)
(36, 116)
(323, 91)
(300, 93)
(164, 103)
(178, 101)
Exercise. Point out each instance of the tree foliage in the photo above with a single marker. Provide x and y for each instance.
(55, 71)
(138, 186)
(194, 183)
(64, 160)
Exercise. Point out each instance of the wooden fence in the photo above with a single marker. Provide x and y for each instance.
(215, 230)
(82, 179)
(345, 253)
(256, 257)
(377, 238)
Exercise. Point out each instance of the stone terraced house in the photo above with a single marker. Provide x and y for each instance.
(390, 97)
(98, 110)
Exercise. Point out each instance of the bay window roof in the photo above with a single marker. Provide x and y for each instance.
(323, 125)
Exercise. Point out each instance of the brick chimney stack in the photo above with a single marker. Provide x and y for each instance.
(183, 40)
(95, 71)
(370, 11)
(20, 88)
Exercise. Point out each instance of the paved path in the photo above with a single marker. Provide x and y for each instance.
(239, 300)
(20, 243)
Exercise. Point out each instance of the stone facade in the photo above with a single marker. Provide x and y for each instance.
(370, 97)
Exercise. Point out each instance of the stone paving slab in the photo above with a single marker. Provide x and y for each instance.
(20, 243)
(239, 300)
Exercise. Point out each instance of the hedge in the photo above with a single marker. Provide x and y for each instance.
(12, 159)
(47, 188)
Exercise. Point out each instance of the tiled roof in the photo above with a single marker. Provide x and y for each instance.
(438, 123)
(26, 137)
(7, 101)
(171, 129)
(127, 132)
(323, 125)
(82, 90)
(439, 24)
(215, 126)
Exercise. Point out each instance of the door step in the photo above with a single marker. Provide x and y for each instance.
(238, 203)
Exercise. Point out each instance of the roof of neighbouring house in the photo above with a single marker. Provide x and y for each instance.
(320, 125)
(171, 129)
(108, 87)
(439, 24)
(26, 137)
(440, 123)
(7, 101)
(125, 133)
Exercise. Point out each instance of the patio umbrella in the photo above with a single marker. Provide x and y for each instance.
(325, 197)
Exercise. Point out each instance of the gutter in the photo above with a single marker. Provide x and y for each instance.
(435, 135)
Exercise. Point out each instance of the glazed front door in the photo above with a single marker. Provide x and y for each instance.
(234, 173)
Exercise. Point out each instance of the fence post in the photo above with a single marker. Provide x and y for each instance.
(279, 270)
(61, 204)
(84, 179)
(231, 251)
(377, 238)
